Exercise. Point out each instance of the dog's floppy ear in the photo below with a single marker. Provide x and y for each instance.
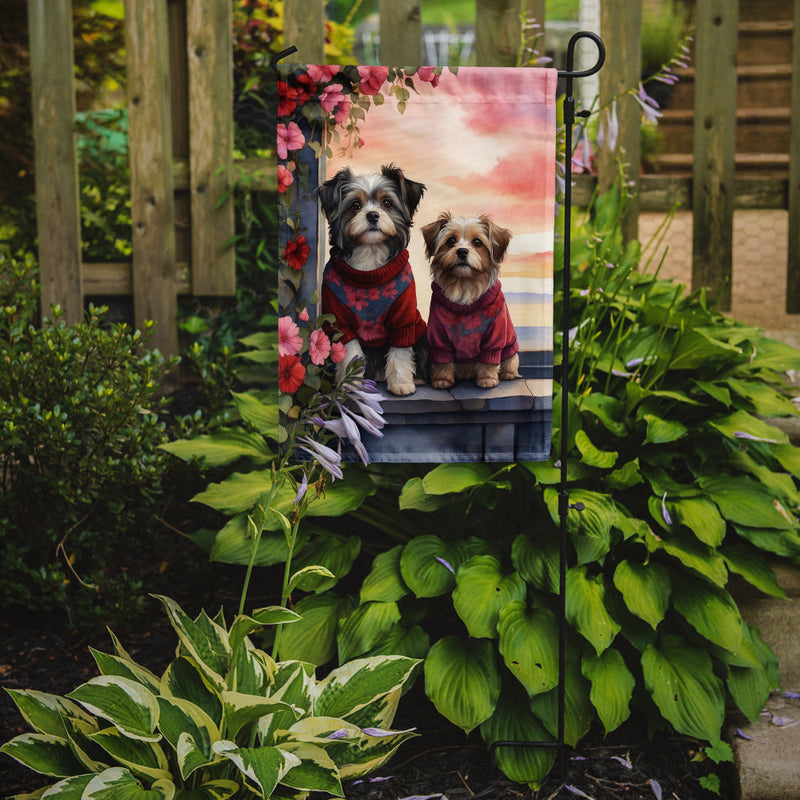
(410, 191)
(330, 193)
(500, 237)
(431, 231)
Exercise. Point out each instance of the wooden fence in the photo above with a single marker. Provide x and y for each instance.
(181, 133)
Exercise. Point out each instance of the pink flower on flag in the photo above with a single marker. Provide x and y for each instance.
(285, 178)
(287, 99)
(342, 112)
(338, 352)
(303, 315)
(290, 137)
(319, 347)
(330, 97)
(290, 342)
(296, 252)
(322, 73)
(372, 78)
(428, 74)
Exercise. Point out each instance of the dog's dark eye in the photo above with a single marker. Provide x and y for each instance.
(387, 203)
(477, 243)
(451, 240)
(356, 205)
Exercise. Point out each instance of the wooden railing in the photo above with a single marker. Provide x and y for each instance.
(181, 133)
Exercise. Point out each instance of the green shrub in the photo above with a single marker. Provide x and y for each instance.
(223, 720)
(79, 428)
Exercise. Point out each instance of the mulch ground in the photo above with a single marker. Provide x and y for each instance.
(44, 654)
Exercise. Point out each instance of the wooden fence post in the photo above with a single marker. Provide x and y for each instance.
(56, 161)
(210, 54)
(714, 190)
(401, 32)
(793, 266)
(304, 27)
(498, 30)
(152, 200)
(621, 28)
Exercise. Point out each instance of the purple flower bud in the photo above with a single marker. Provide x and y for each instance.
(664, 512)
(446, 564)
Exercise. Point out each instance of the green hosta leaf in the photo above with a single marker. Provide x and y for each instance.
(663, 431)
(453, 478)
(709, 610)
(602, 459)
(740, 422)
(782, 543)
(212, 790)
(608, 410)
(683, 685)
(243, 625)
(695, 349)
(428, 565)
(753, 567)
(45, 712)
(693, 554)
(767, 401)
(223, 446)
(590, 528)
(625, 477)
(242, 709)
(512, 721)
(774, 355)
(586, 608)
(717, 392)
(578, 710)
(313, 638)
(645, 588)
(207, 644)
(385, 582)
(529, 645)
(365, 627)
(743, 501)
(263, 417)
(414, 497)
(118, 784)
(612, 687)
(238, 492)
(126, 704)
(399, 640)
(462, 680)
(125, 668)
(182, 679)
(481, 591)
(316, 772)
(264, 766)
(355, 685)
(44, 753)
(145, 759)
(537, 560)
(749, 687)
(334, 553)
(701, 517)
(788, 455)
(233, 544)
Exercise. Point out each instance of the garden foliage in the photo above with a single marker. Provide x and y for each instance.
(684, 485)
(79, 464)
(223, 720)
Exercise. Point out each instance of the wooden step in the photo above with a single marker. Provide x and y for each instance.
(763, 42)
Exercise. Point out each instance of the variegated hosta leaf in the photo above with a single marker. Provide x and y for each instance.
(612, 686)
(262, 766)
(385, 581)
(252, 670)
(183, 679)
(145, 759)
(294, 684)
(44, 753)
(586, 608)
(68, 789)
(373, 752)
(125, 668)
(242, 709)
(244, 625)
(212, 790)
(126, 704)
(481, 591)
(646, 589)
(117, 783)
(529, 645)
(204, 641)
(462, 680)
(358, 683)
(78, 733)
(683, 685)
(180, 717)
(316, 771)
(513, 721)
(45, 712)
(190, 755)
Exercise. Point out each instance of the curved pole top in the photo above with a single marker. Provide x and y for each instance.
(584, 73)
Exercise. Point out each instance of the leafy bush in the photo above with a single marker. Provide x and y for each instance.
(79, 430)
(222, 717)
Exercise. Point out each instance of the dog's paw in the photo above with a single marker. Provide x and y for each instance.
(442, 383)
(401, 388)
(487, 382)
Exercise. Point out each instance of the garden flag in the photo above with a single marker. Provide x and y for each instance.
(416, 243)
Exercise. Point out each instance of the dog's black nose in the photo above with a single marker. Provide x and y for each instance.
(373, 216)
(462, 253)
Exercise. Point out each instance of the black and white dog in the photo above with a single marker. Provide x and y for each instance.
(368, 285)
